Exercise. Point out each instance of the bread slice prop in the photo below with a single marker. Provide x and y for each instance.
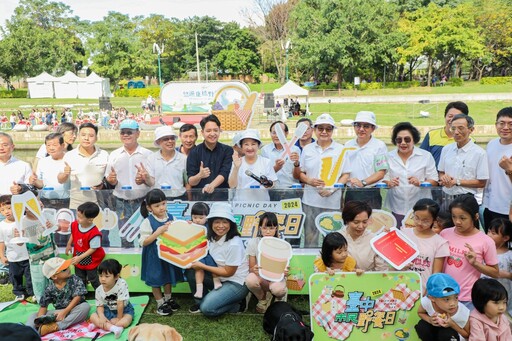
(182, 244)
(274, 256)
(379, 220)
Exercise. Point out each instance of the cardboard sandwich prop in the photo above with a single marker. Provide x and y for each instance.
(183, 243)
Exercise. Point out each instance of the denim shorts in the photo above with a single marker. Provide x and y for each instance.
(110, 314)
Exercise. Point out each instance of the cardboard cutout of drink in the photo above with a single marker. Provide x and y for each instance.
(274, 256)
(182, 244)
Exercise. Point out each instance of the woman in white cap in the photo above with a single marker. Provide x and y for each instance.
(248, 188)
(166, 168)
(227, 249)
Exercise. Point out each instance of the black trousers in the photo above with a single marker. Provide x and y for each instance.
(428, 332)
(88, 276)
(16, 272)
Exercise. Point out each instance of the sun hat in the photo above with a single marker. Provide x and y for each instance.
(55, 265)
(366, 117)
(163, 131)
(249, 134)
(221, 210)
(236, 138)
(442, 285)
(324, 119)
(129, 124)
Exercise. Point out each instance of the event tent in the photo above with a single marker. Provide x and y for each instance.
(68, 86)
(290, 89)
(41, 86)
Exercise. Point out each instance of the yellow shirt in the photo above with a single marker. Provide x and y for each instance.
(348, 266)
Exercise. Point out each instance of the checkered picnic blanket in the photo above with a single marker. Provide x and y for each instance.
(325, 309)
(398, 298)
(75, 332)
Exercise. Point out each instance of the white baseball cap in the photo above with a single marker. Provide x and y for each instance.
(366, 117)
(163, 131)
(324, 119)
(55, 265)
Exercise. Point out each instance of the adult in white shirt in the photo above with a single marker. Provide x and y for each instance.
(166, 167)
(463, 165)
(368, 162)
(499, 154)
(227, 249)
(248, 188)
(124, 171)
(84, 167)
(283, 166)
(69, 133)
(321, 162)
(13, 171)
(409, 167)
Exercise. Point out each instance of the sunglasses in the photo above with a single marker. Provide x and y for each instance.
(126, 132)
(326, 129)
(406, 139)
(167, 138)
(365, 126)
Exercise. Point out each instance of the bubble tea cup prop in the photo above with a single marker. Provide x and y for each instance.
(274, 256)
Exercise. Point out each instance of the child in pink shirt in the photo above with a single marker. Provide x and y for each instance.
(472, 252)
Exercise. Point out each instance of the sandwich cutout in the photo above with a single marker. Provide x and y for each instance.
(182, 244)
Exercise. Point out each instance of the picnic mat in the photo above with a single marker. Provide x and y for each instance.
(20, 311)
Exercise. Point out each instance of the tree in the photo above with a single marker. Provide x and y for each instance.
(40, 36)
(116, 49)
(344, 36)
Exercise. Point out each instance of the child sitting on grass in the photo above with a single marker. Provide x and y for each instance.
(67, 294)
(114, 311)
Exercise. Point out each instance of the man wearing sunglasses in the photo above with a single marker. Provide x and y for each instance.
(369, 162)
(463, 165)
(123, 172)
(314, 170)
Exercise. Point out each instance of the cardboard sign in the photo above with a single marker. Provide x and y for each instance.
(395, 248)
(274, 256)
(373, 306)
(182, 244)
(21, 202)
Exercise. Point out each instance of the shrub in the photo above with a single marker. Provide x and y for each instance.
(370, 86)
(154, 92)
(18, 93)
(495, 80)
(455, 81)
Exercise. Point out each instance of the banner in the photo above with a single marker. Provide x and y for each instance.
(373, 306)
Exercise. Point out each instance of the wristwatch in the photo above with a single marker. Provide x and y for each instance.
(458, 182)
(296, 164)
(364, 183)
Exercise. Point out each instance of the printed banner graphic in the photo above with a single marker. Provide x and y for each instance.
(373, 306)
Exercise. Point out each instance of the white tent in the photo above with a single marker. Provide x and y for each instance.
(67, 86)
(41, 86)
(94, 86)
(290, 89)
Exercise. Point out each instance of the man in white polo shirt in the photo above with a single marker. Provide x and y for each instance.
(317, 197)
(463, 165)
(13, 171)
(122, 169)
(368, 162)
(167, 167)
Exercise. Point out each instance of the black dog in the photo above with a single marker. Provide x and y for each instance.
(284, 323)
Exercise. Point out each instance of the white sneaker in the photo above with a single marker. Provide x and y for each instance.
(19, 298)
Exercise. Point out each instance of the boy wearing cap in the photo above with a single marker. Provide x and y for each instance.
(123, 172)
(443, 317)
(166, 167)
(67, 294)
(369, 161)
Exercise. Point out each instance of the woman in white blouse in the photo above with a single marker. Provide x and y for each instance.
(409, 167)
(227, 249)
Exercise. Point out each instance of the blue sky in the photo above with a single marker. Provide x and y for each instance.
(224, 10)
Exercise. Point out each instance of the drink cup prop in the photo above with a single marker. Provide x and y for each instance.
(64, 219)
(274, 256)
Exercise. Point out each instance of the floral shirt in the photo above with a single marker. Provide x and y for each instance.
(62, 297)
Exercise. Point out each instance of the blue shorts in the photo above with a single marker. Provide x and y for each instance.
(110, 314)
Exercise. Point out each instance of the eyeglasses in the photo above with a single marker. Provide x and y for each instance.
(365, 126)
(418, 221)
(460, 129)
(126, 132)
(326, 129)
(268, 227)
(502, 124)
(167, 138)
(406, 139)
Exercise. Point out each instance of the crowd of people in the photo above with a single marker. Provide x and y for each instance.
(458, 243)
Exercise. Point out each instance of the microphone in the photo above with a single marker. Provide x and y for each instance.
(261, 179)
